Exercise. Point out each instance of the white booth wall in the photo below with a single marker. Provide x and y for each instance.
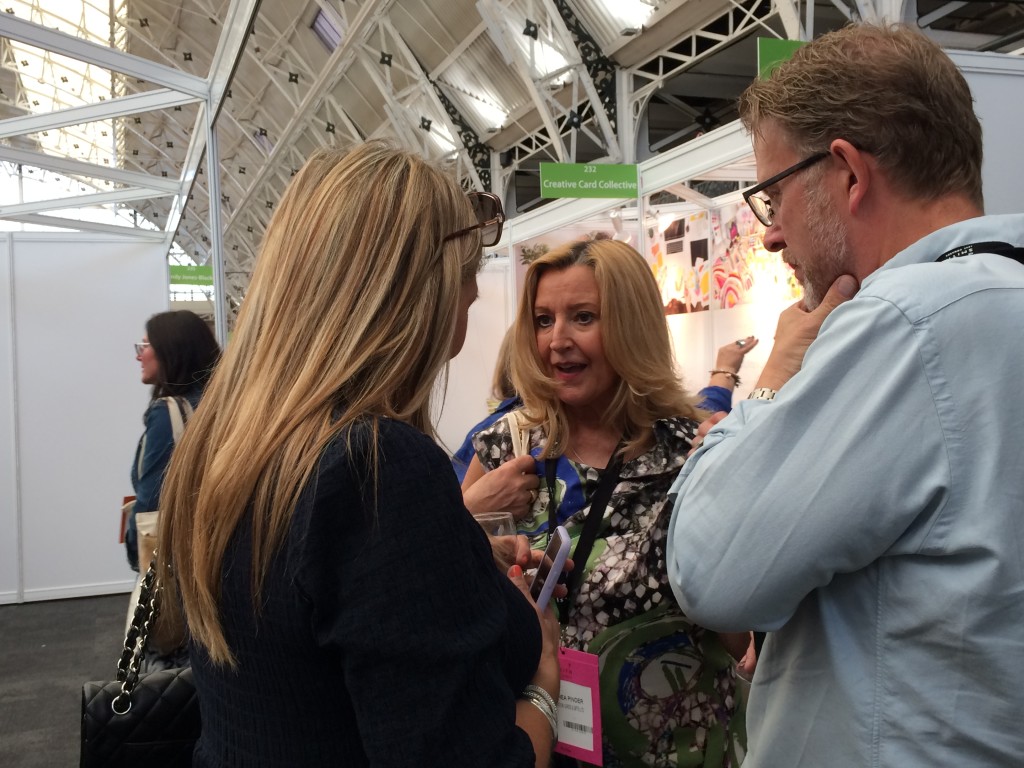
(71, 405)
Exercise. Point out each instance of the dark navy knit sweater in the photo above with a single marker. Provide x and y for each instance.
(386, 636)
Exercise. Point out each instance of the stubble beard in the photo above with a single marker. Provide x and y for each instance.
(832, 256)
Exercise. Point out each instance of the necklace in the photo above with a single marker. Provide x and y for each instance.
(576, 456)
(580, 460)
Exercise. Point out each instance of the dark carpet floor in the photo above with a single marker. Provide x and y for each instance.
(47, 650)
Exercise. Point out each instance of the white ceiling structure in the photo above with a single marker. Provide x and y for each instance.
(135, 114)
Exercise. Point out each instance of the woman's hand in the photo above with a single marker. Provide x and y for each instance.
(730, 357)
(547, 675)
(703, 429)
(512, 487)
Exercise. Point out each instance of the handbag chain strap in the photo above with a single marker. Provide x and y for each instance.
(146, 611)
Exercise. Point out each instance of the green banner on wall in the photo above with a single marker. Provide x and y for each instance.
(771, 52)
(587, 180)
(191, 274)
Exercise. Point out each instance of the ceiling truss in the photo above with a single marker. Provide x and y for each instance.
(249, 88)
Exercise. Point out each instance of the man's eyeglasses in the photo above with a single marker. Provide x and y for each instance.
(141, 345)
(489, 216)
(762, 206)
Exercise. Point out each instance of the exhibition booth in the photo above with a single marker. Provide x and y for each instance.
(72, 305)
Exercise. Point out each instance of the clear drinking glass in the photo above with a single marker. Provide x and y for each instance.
(500, 528)
(497, 523)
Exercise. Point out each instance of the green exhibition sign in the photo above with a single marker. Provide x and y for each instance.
(191, 274)
(771, 52)
(588, 180)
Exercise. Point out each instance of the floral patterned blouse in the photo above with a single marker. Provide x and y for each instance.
(667, 685)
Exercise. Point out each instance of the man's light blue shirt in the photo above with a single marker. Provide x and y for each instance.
(871, 518)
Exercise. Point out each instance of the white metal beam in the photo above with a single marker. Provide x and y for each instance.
(88, 226)
(690, 195)
(427, 89)
(87, 113)
(939, 13)
(713, 150)
(572, 54)
(789, 15)
(81, 201)
(101, 55)
(87, 170)
(229, 50)
(334, 69)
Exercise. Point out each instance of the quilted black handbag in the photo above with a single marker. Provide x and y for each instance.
(149, 720)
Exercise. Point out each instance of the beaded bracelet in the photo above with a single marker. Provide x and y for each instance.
(732, 374)
(543, 701)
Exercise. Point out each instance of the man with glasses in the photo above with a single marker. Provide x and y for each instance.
(866, 507)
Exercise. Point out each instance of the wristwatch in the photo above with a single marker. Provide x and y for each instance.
(762, 393)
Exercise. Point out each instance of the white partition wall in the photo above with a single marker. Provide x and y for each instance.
(471, 372)
(71, 403)
(9, 529)
(997, 84)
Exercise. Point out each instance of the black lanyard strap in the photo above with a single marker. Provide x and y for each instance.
(588, 536)
(999, 249)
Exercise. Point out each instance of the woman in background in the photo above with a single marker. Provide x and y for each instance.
(605, 414)
(506, 398)
(344, 605)
(177, 354)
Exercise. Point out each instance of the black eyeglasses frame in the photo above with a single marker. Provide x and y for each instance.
(766, 215)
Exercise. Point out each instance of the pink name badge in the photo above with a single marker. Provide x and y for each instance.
(579, 707)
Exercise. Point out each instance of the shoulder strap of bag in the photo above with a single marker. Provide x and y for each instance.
(146, 610)
(519, 432)
(180, 411)
(585, 543)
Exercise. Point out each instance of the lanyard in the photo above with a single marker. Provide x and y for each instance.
(1000, 249)
(585, 543)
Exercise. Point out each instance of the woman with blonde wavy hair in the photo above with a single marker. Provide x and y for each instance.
(609, 424)
(344, 606)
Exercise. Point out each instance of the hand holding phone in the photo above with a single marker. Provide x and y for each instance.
(546, 576)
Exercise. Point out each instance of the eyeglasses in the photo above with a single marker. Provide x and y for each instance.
(141, 345)
(762, 206)
(489, 216)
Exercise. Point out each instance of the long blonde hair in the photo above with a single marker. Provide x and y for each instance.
(350, 313)
(635, 338)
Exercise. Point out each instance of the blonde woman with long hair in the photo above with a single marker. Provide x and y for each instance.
(609, 425)
(343, 604)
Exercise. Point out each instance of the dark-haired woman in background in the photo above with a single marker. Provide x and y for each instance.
(177, 353)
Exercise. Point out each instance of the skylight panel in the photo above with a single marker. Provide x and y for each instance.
(327, 30)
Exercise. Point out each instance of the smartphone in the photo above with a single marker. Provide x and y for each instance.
(546, 576)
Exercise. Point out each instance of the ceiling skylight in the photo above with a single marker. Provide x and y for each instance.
(47, 81)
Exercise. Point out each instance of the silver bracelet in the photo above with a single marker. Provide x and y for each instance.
(544, 695)
(542, 700)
